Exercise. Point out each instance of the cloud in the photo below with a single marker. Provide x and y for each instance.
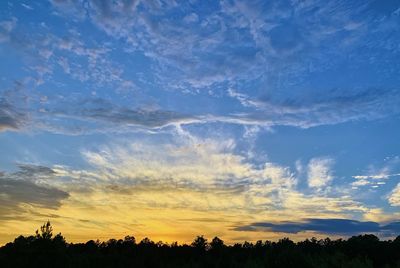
(32, 172)
(379, 215)
(319, 172)
(191, 172)
(324, 226)
(229, 47)
(394, 196)
(182, 165)
(6, 27)
(10, 117)
(138, 23)
(17, 192)
(27, 6)
(336, 106)
(310, 109)
(108, 113)
(159, 178)
(26, 190)
(374, 180)
(14, 109)
(375, 177)
(244, 100)
(139, 69)
(148, 118)
(103, 111)
(88, 114)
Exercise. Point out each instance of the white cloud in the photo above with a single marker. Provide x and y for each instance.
(245, 100)
(319, 172)
(208, 175)
(374, 174)
(199, 163)
(377, 176)
(27, 6)
(158, 179)
(394, 197)
(360, 182)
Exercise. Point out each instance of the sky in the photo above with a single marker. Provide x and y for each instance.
(169, 119)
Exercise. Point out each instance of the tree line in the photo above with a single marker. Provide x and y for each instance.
(47, 250)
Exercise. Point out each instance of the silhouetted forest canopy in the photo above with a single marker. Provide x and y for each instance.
(47, 250)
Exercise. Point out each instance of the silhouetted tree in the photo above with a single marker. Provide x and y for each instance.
(200, 242)
(43, 250)
(247, 244)
(46, 231)
(216, 243)
(129, 240)
(146, 242)
(59, 240)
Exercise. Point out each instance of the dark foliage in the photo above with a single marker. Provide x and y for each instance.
(44, 250)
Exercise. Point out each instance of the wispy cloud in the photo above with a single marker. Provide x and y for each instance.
(270, 38)
(203, 169)
(27, 6)
(101, 110)
(320, 172)
(376, 177)
(13, 110)
(219, 54)
(104, 111)
(9, 117)
(394, 196)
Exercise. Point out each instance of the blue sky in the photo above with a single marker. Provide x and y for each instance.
(169, 119)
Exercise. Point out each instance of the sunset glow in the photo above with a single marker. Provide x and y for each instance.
(170, 119)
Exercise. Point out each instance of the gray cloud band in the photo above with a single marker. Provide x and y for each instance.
(325, 226)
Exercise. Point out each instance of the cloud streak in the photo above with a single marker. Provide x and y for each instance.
(325, 226)
(101, 110)
(297, 115)
(10, 116)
